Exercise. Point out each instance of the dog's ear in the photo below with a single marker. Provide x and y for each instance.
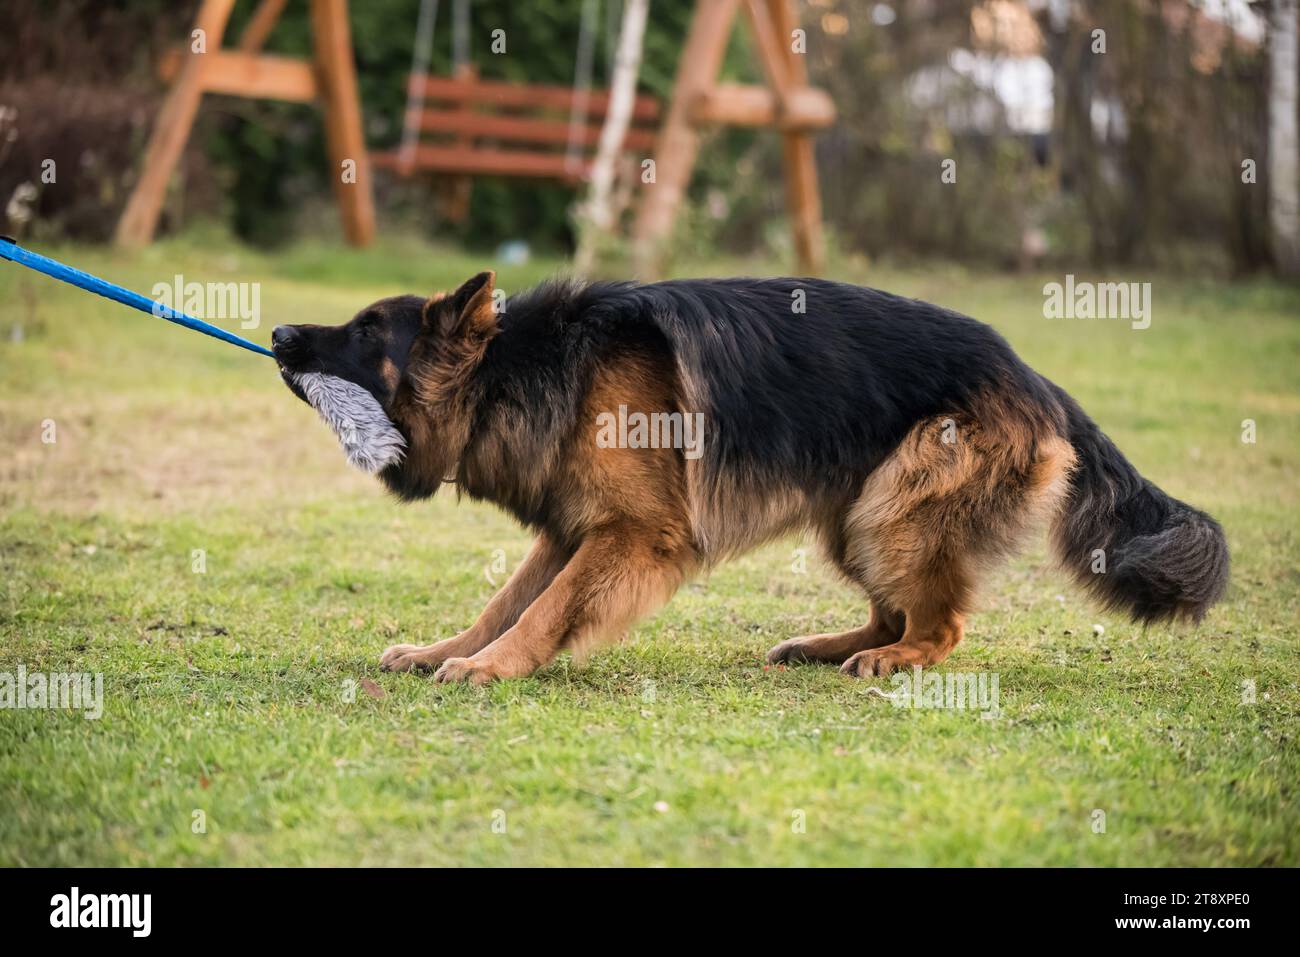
(468, 313)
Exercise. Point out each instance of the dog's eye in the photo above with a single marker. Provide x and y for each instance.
(367, 326)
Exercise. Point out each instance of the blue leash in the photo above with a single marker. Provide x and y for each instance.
(51, 267)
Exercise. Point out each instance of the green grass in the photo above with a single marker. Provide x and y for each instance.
(227, 692)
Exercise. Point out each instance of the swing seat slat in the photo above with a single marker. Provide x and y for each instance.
(466, 123)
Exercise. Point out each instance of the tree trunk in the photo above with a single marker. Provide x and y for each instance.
(1283, 142)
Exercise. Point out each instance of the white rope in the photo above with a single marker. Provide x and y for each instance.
(419, 70)
(622, 102)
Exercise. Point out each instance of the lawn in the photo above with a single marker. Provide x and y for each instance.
(194, 535)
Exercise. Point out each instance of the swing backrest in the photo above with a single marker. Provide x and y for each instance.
(475, 127)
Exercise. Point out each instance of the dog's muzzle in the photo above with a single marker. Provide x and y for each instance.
(290, 352)
(284, 341)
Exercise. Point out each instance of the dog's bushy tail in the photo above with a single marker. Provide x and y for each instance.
(1132, 546)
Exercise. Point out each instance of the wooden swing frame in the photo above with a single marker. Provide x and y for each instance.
(330, 78)
(787, 103)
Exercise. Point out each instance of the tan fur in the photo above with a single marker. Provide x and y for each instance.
(627, 508)
(959, 492)
(389, 373)
(734, 515)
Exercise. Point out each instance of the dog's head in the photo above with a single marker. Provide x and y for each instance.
(369, 351)
(380, 379)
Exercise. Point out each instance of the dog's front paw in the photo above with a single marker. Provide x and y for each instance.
(408, 658)
(883, 662)
(467, 669)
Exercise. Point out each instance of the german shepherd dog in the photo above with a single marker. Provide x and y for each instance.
(912, 440)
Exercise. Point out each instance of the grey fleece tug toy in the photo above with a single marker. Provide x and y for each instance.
(369, 438)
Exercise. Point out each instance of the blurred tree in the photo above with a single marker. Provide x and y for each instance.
(1142, 159)
(1157, 106)
(1283, 141)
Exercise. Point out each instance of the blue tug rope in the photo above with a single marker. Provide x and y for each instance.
(51, 267)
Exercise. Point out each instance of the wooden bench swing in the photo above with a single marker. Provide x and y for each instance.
(462, 126)
(463, 122)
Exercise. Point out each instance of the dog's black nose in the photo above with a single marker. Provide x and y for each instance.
(281, 336)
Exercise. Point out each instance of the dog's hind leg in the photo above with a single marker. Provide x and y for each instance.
(885, 627)
(538, 569)
(958, 494)
(619, 573)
